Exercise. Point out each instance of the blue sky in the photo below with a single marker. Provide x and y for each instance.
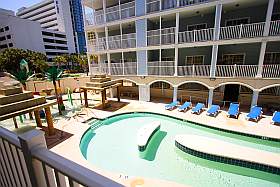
(16, 4)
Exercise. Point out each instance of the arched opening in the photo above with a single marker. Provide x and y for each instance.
(225, 94)
(161, 92)
(269, 99)
(129, 90)
(194, 92)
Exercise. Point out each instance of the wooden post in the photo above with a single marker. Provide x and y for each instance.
(49, 121)
(37, 118)
(15, 122)
(85, 96)
(30, 116)
(103, 95)
(118, 93)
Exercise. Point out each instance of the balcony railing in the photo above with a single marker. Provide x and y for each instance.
(196, 35)
(271, 71)
(161, 36)
(163, 68)
(194, 70)
(114, 42)
(129, 40)
(274, 28)
(236, 70)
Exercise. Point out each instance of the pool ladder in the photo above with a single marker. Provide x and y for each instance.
(96, 125)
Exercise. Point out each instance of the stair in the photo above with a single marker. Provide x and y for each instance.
(4, 99)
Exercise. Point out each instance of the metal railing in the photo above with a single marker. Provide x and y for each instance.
(196, 35)
(152, 6)
(274, 28)
(194, 70)
(129, 40)
(26, 162)
(114, 42)
(163, 68)
(271, 71)
(161, 36)
(236, 70)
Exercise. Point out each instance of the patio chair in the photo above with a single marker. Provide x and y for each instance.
(213, 110)
(276, 118)
(198, 108)
(255, 113)
(233, 110)
(185, 106)
(172, 105)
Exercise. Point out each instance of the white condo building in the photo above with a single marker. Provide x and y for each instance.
(57, 18)
(211, 51)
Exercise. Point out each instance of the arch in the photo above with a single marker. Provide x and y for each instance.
(269, 86)
(161, 81)
(240, 83)
(125, 79)
(198, 82)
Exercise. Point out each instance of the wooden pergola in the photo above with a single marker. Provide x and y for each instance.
(103, 92)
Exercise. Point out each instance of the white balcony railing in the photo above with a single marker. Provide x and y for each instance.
(274, 28)
(120, 12)
(192, 2)
(242, 31)
(130, 68)
(196, 35)
(163, 68)
(194, 70)
(129, 40)
(114, 42)
(127, 10)
(152, 6)
(167, 36)
(99, 17)
(153, 37)
(236, 70)
(271, 71)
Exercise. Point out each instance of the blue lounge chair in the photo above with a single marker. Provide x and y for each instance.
(233, 110)
(213, 110)
(255, 113)
(276, 118)
(185, 106)
(198, 108)
(172, 105)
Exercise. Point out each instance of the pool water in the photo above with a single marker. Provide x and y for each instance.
(113, 147)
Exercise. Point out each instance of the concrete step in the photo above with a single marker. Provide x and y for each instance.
(100, 80)
(15, 98)
(10, 91)
(23, 104)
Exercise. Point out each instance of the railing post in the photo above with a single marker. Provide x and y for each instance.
(234, 70)
(240, 30)
(194, 35)
(30, 141)
(193, 70)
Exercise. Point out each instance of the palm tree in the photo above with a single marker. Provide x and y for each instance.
(53, 74)
(22, 76)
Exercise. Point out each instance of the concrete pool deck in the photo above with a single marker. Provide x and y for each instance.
(71, 150)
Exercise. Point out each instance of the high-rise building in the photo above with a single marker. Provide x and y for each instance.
(59, 15)
(210, 51)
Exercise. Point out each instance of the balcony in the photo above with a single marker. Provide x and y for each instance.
(196, 35)
(163, 68)
(113, 13)
(161, 36)
(194, 70)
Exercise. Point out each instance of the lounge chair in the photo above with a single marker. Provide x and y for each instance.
(255, 113)
(185, 106)
(213, 110)
(276, 118)
(198, 108)
(172, 105)
(233, 110)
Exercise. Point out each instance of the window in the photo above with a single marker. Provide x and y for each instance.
(7, 28)
(91, 35)
(231, 59)
(194, 60)
(272, 58)
(2, 38)
(238, 21)
(8, 37)
(197, 26)
(2, 30)
(4, 46)
(11, 45)
(275, 17)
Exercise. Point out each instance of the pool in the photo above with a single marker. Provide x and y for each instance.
(111, 144)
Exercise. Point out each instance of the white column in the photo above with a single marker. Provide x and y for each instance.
(177, 28)
(104, 9)
(106, 37)
(160, 30)
(210, 97)
(268, 17)
(122, 63)
(176, 62)
(255, 98)
(261, 59)
(175, 93)
(109, 63)
(214, 61)
(144, 92)
(218, 16)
